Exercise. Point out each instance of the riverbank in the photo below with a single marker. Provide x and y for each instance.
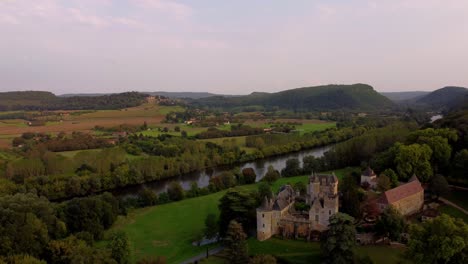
(169, 229)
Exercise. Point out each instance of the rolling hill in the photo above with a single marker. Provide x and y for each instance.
(327, 97)
(444, 98)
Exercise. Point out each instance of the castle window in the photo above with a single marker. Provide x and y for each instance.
(329, 212)
(263, 215)
(316, 218)
(263, 225)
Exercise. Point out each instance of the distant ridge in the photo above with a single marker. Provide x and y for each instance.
(402, 96)
(326, 97)
(189, 95)
(38, 100)
(176, 95)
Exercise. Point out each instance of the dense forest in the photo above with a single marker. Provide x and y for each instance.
(329, 97)
(34, 100)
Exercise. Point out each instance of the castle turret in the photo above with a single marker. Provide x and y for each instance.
(264, 219)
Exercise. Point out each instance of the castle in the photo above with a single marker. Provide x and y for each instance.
(281, 216)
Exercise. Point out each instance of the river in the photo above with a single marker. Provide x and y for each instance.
(202, 178)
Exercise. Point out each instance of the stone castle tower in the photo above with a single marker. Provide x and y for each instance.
(277, 214)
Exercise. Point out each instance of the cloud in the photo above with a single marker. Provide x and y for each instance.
(178, 10)
(93, 20)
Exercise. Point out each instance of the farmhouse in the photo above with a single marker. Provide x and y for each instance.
(279, 216)
(407, 198)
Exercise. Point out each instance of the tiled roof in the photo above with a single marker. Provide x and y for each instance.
(401, 192)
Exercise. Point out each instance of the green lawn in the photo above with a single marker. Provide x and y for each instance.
(458, 197)
(454, 212)
(306, 128)
(301, 252)
(168, 230)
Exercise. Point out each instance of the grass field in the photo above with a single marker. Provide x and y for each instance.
(458, 197)
(454, 212)
(301, 252)
(168, 230)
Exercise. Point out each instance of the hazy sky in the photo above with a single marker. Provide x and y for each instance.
(231, 46)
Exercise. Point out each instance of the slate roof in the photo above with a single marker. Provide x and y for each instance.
(401, 192)
(284, 198)
(368, 172)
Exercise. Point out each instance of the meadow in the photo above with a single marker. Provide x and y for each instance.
(169, 229)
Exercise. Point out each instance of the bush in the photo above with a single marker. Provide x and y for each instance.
(249, 175)
(175, 191)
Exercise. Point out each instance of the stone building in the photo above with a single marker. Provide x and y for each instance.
(278, 216)
(407, 198)
(369, 176)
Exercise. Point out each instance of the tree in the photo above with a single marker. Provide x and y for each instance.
(300, 187)
(390, 224)
(439, 186)
(264, 190)
(292, 168)
(414, 159)
(350, 204)
(441, 240)
(271, 175)
(460, 165)
(438, 140)
(211, 226)
(74, 250)
(338, 244)
(236, 244)
(147, 197)
(310, 164)
(249, 175)
(392, 176)
(120, 248)
(240, 206)
(175, 191)
(263, 259)
(383, 183)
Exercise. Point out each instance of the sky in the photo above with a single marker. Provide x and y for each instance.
(231, 47)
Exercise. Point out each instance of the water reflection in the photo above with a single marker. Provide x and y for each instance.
(202, 178)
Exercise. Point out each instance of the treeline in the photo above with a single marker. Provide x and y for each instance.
(235, 131)
(57, 177)
(32, 230)
(62, 142)
(276, 144)
(32, 101)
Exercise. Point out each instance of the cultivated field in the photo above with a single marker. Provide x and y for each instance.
(85, 121)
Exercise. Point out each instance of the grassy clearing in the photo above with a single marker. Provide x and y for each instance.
(453, 212)
(458, 197)
(168, 230)
(307, 128)
(301, 252)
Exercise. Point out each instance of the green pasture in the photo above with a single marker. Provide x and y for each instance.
(301, 252)
(458, 197)
(453, 212)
